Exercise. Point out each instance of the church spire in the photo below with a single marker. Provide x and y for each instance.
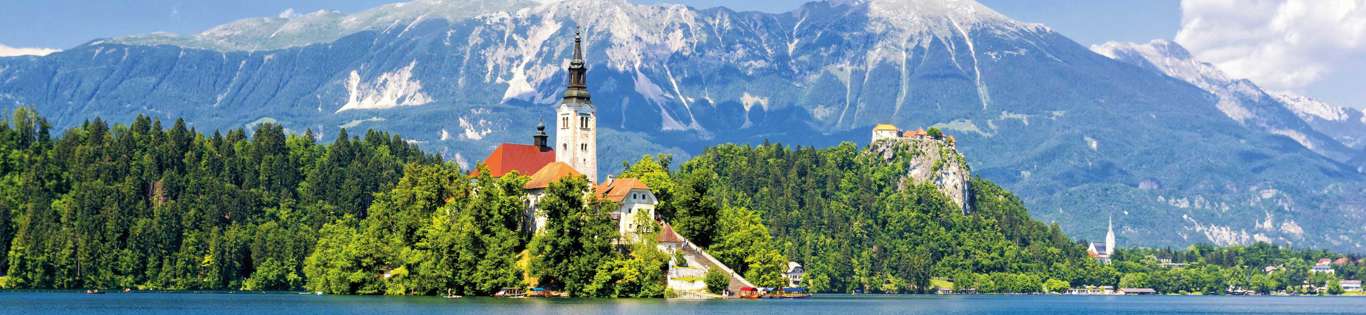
(577, 91)
(1110, 237)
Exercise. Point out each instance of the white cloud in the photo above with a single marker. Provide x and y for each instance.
(7, 51)
(1280, 44)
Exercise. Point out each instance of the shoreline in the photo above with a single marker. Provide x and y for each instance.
(815, 295)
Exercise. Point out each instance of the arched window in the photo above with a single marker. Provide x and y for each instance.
(583, 122)
(583, 147)
(564, 122)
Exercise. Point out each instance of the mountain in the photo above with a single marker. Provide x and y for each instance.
(1346, 124)
(1239, 99)
(1079, 136)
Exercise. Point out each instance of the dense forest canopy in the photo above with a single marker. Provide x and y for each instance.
(169, 208)
(144, 206)
(840, 212)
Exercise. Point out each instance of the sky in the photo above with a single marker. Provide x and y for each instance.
(1311, 47)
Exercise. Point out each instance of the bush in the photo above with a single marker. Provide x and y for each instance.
(679, 260)
(1056, 286)
(935, 133)
(716, 280)
(1335, 287)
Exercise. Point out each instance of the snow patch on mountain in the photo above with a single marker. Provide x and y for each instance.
(750, 100)
(527, 71)
(389, 90)
(1310, 108)
(472, 131)
(1173, 60)
(939, 17)
(289, 29)
(1295, 117)
(7, 51)
(1295, 135)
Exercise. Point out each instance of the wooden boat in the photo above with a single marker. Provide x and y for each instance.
(542, 292)
(510, 293)
(749, 293)
(788, 293)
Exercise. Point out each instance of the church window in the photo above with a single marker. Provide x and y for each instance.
(583, 122)
(583, 147)
(564, 122)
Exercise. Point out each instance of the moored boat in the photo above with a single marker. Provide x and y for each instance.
(511, 293)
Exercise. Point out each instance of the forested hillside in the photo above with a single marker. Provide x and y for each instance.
(145, 206)
(149, 207)
(840, 212)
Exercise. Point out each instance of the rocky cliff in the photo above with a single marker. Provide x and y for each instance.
(931, 161)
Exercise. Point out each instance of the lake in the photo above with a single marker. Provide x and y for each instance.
(301, 304)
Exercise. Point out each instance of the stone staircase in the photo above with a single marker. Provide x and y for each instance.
(695, 254)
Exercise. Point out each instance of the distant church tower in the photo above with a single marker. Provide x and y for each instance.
(1110, 238)
(576, 139)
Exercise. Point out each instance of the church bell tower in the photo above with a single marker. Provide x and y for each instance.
(576, 123)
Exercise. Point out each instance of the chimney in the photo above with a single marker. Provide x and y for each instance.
(539, 139)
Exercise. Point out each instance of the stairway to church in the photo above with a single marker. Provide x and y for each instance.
(694, 253)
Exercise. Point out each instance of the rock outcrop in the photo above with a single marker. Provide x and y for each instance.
(931, 161)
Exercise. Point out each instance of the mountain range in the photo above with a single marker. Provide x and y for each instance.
(1172, 150)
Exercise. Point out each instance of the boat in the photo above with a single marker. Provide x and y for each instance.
(451, 295)
(94, 291)
(510, 293)
(542, 292)
(749, 293)
(788, 293)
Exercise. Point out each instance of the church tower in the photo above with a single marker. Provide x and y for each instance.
(576, 123)
(1110, 238)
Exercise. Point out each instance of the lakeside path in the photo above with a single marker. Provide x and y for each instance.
(302, 304)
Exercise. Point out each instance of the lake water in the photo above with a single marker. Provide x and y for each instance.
(298, 304)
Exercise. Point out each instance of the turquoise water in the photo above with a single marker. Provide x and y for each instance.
(297, 304)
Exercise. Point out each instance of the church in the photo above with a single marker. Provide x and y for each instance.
(573, 154)
(1102, 251)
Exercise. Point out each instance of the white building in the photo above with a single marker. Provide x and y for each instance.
(1351, 285)
(884, 131)
(794, 274)
(1102, 251)
(635, 201)
(1324, 266)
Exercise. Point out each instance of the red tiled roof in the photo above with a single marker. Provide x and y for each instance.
(668, 236)
(550, 173)
(525, 159)
(617, 189)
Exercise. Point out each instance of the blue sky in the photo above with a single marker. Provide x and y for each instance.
(1313, 50)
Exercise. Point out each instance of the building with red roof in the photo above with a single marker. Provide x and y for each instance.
(550, 173)
(521, 158)
(633, 199)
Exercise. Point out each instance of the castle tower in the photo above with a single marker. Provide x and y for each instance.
(1110, 238)
(576, 123)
